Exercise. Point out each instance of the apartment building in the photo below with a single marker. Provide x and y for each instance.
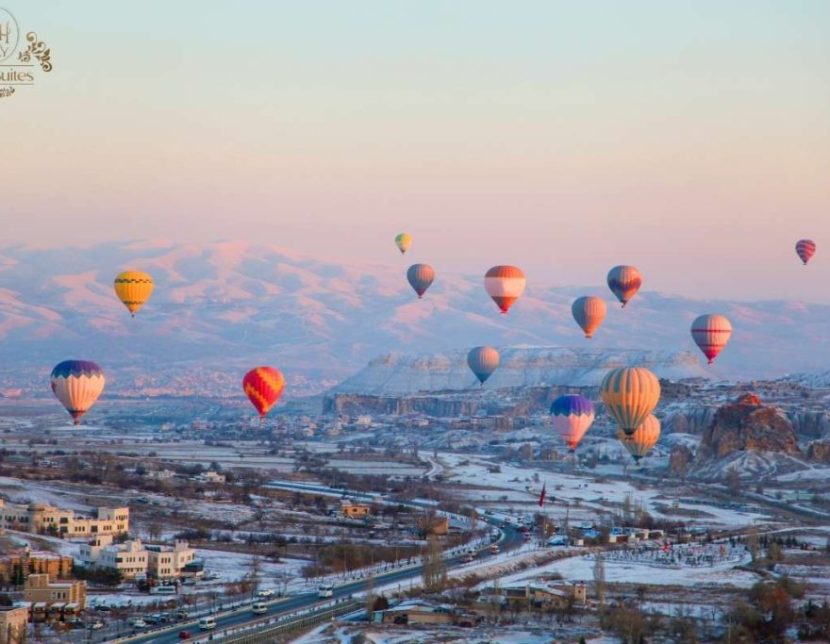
(19, 564)
(39, 589)
(166, 562)
(130, 558)
(14, 622)
(43, 518)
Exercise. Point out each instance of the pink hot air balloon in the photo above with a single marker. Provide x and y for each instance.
(805, 248)
(711, 333)
(624, 282)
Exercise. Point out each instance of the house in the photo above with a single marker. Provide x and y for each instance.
(433, 524)
(14, 622)
(353, 510)
(39, 589)
(211, 477)
(419, 612)
(43, 518)
(543, 594)
(129, 558)
(167, 562)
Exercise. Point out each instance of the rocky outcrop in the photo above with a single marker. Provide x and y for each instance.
(692, 420)
(747, 424)
(819, 451)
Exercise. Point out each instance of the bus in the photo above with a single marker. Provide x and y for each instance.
(325, 590)
(207, 624)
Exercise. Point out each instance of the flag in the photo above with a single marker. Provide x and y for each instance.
(542, 495)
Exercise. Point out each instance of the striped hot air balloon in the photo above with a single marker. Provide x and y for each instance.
(805, 248)
(505, 284)
(644, 438)
(133, 288)
(420, 277)
(572, 415)
(403, 242)
(589, 312)
(624, 282)
(711, 332)
(483, 361)
(77, 384)
(630, 394)
(263, 386)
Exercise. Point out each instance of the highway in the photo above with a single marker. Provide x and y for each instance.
(510, 540)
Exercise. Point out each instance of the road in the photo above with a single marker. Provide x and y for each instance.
(511, 539)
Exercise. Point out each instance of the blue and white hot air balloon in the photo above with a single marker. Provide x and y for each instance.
(77, 384)
(572, 415)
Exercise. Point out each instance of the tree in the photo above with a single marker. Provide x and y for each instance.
(599, 577)
(434, 568)
(733, 481)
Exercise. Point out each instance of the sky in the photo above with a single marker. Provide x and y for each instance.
(691, 139)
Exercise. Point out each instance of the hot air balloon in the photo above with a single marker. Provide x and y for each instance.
(572, 415)
(133, 288)
(645, 437)
(589, 312)
(420, 278)
(77, 384)
(263, 386)
(483, 361)
(711, 333)
(404, 241)
(505, 284)
(630, 394)
(624, 282)
(805, 248)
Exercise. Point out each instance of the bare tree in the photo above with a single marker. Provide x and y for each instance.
(434, 568)
(599, 577)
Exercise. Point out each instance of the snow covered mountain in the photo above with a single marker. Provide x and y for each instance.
(520, 366)
(219, 308)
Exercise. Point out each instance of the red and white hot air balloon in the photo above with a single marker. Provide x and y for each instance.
(624, 282)
(805, 248)
(711, 332)
(505, 284)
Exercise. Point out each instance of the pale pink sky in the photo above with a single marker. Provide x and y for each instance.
(690, 139)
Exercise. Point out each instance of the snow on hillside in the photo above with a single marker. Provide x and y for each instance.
(225, 306)
(397, 373)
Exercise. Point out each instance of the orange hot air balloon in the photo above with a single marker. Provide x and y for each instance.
(420, 277)
(644, 438)
(630, 394)
(624, 282)
(505, 284)
(711, 333)
(589, 312)
(263, 386)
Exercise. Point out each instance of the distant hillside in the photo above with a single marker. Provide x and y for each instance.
(221, 307)
(520, 367)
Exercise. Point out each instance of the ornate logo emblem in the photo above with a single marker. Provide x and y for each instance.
(21, 69)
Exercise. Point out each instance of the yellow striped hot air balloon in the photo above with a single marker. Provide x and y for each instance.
(133, 288)
(644, 438)
(630, 394)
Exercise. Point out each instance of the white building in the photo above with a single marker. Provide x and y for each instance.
(129, 558)
(166, 562)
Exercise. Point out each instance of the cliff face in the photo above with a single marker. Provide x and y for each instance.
(747, 424)
(819, 451)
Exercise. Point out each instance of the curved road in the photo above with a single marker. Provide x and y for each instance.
(511, 539)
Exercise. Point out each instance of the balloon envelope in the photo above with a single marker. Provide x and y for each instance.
(505, 284)
(420, 277)
(572, 415)
(644, 438)
(483, 361)
(805, 248)
(263, 386)
(624, 282)
(589, 312)
(711, 332)
(77, 384)
(133, 288)
(630, 394)
(403, 241)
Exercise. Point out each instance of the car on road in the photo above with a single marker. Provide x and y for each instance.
(207, 624)
(138, 623)
(325, 590)
(185, 635)
(259, 608)
(494, 549)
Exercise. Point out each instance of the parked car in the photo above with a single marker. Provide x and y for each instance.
(267, 592)
(97, 625)
(138, 623)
